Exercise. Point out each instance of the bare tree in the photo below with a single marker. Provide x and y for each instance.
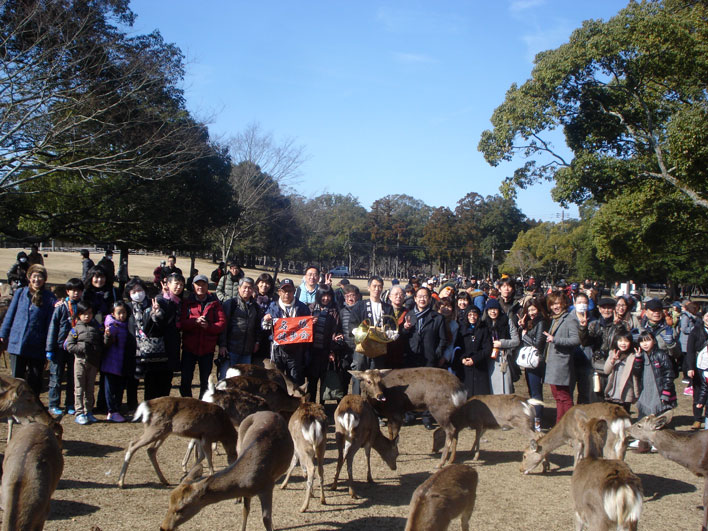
(262, 167)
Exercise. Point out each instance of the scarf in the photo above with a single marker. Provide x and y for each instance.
(419, 318)
(288, 311)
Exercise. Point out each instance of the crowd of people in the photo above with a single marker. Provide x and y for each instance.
(586, 343)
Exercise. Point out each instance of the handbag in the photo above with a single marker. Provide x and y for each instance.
(372, 340)
(332, 388)
(528, 357)
(702, 359)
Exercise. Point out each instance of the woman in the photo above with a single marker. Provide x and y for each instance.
(697, 341)
(146, 324)
(326, 328)
(98, 294)
(25, 327)
(170, 302)
(463, 303)
(505, 338)
(263, 296)
(561, 340)
(533, 324)
(623, 315)
(475, 343)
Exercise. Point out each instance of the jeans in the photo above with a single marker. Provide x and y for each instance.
(63, 366)
(30, 369)
(189, 361)
(231, 360)
(534, 381)
(564, 400)
(113, 384)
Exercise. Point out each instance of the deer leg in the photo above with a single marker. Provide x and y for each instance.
(133, 446)
(246, 510)
(310, 471)
(367, 451)
(10, 423)
(206, 452)
(339, 439)
(187, 455)
(350, 452)
(152, 454)
(267, 508)
(293, 464)
(578, 522)
(478, 432)
(465, 520)
(394, 426)
(320, 471)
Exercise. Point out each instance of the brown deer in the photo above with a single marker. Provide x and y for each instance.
(394, 392)
(568, 430)
(688, 449)
(269, 372)
(308, 428)
(278, 398)
(356, 425)
(32, 468)
(186, 417)
(265, 450)
(20, 404)
(491, 412)
(606, 493)
(445, 495)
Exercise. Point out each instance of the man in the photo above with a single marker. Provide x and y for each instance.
(347, 317)
(86, 264)
(656, 323)
(597, 336)
(308, 289)
(229, 284)
(202, 322)
(396, 349)
(427, 339)
(170, 268)
(289, 359)
(239, 340)
(376, 313)
(106, 263)
(582, 356)
(35, 256)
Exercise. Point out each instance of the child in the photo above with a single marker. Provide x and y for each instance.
(658, 391)
(623, 380)
(119, 348)
(85, 342)
(61, 362)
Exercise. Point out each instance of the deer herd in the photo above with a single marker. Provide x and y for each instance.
(266, 426)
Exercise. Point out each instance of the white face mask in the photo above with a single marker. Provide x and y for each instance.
(581, 307)
(137, 296)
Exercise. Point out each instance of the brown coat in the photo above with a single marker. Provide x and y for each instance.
(629, 384)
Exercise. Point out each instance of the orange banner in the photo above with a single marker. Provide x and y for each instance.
(292, 330)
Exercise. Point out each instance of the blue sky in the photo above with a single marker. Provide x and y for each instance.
(386, 97)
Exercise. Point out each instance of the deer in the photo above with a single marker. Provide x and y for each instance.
(606, 493)
(568, 430)
(356, 425)
(21, 405)
(32, 467)
(688, 449)
(269, 372)
(265, 450)
(278, 398)
(308, 428)
(491, 412)
(447, 494)
(186, 417)
(394, 392)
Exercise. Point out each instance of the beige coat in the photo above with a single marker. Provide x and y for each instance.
(629, 384)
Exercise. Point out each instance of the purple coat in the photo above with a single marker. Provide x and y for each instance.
(117, 346)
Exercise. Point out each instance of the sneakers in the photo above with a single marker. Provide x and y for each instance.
(82, 419)
(70, 411)
(56, 411)
(115, 417)
(91, 418)
(697, 425)
(688, 391)
(685, 381)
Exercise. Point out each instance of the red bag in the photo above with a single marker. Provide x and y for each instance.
(292, 330)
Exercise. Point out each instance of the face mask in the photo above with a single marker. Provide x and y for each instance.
(137, 296)
(581, 307)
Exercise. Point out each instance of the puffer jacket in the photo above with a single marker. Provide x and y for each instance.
(663, 369)
(195, 339)
(243, 325)
(228, 286)
(85, 341)
(63, 319)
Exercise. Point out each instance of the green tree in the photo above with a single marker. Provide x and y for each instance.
(439, 236)
(629, 95)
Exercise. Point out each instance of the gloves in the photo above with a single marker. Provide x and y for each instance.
(50, 356)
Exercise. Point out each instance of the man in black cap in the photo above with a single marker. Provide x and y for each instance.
(106, 263)
(290, 359)
(598, 336)
(655, 322)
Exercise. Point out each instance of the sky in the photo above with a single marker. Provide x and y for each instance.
(385, 97)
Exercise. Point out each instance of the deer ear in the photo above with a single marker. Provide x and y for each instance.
(356, 374)
(384, 372)
(533, 445)
(194, 474)
(663, 419)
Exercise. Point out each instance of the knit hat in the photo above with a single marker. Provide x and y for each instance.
(655, 305)
(491, 304)
(37, 268)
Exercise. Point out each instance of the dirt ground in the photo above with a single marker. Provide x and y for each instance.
(88, 496)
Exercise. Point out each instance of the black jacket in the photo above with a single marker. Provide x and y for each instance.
(243, 325)
(475, 344)
(426, 339)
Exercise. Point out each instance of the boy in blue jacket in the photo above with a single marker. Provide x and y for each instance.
(61, 362)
